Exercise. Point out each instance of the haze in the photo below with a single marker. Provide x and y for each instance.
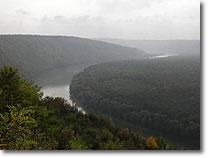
(126, 19)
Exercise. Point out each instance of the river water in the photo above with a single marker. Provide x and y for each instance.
(162, 56)
(56, 83)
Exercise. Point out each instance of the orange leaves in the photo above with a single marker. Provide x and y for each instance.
(151, 143)
(3, 146)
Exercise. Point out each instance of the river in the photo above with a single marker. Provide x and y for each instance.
(162, 56)
(56, 83)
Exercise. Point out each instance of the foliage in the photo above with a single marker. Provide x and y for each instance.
(18, 128)
(77, 144)
(15, 91)
(9, 85)
(151, 143)
(31, 122)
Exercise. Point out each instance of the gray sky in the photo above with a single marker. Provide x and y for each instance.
(126, 19)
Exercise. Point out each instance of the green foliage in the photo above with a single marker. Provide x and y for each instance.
(15, 91)
(77, 144)
(9, 86)
(112, 145)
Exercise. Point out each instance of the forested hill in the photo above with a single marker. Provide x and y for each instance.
(161, 95)
(33, 54)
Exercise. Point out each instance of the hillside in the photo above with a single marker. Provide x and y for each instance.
(161, 95)
(185, 47)
(34, 55)
(30, 122)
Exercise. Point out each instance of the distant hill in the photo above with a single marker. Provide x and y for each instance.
(34, 54)
(184, 47)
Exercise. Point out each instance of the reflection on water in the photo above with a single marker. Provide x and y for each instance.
(60, 91)
(162, 56)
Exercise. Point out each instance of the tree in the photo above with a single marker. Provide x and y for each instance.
(9, 86)
(14, 90)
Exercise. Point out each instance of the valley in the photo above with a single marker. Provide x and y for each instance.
(150, 93)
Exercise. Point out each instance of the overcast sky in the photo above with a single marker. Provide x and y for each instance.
(126, 19)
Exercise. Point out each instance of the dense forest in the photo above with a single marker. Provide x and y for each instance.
(30, 122)
(34, 55)
(161, 95)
